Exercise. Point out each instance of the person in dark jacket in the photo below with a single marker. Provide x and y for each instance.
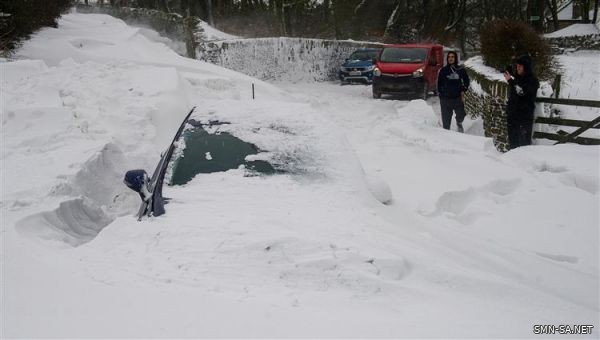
(452, 84)
(523, 86)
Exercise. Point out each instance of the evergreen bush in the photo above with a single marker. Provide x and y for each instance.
(20, 18)
(503, 40)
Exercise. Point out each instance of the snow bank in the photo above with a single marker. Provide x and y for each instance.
(74, 222)
(211, 33)
(20, 69)
(173, 29)
(574, 30)
(84, 110)
(511, 239)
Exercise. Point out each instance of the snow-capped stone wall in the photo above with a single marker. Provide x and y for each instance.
(487, 99)
(289, 59)
(579, 36)
(585, 42)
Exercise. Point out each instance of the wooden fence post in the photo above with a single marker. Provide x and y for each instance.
(556, 85)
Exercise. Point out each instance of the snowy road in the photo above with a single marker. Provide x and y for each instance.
(392, 137)
(458, 180)
(474, 244)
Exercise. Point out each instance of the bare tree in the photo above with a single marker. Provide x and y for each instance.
(585, 6)
(457, 11)
(535, 11)
(391, 22)
(553, 6)
(335, 5)
(209, 13)
(326, 10)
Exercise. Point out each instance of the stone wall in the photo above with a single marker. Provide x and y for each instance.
(489, 103)
(290, 59)
(585, 42)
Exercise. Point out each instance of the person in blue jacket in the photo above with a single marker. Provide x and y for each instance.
(452, 84)
(523, 86)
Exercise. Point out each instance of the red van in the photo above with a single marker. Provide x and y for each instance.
(407, 69)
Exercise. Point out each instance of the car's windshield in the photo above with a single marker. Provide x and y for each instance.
(403, 55)
(364, 55)
(205, 152)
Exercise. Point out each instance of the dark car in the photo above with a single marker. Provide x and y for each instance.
(359, 66)
(195, 149)
(256, 146)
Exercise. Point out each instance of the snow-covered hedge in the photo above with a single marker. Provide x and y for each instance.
(290, 59)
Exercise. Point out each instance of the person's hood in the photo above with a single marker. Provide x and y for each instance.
(525, 60)
(456, 60)
(357, 63)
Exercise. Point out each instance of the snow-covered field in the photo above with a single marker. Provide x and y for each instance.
(573, 30)
(580, 80)
(474, 243)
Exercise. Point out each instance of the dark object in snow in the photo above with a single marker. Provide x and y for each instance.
(155, 205)
(137, 180)
(204, 152)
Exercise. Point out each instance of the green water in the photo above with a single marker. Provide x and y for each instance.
(226, 152)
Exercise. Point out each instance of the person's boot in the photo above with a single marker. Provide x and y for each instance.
(460, 128)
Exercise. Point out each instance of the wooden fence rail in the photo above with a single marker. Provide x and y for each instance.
(582, 125)
(572, 102)
(564, 122)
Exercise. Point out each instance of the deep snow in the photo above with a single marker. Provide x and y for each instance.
(574, 30)
(580, 80)
(474, 243)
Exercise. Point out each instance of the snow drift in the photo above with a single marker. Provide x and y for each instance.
(471, 241)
